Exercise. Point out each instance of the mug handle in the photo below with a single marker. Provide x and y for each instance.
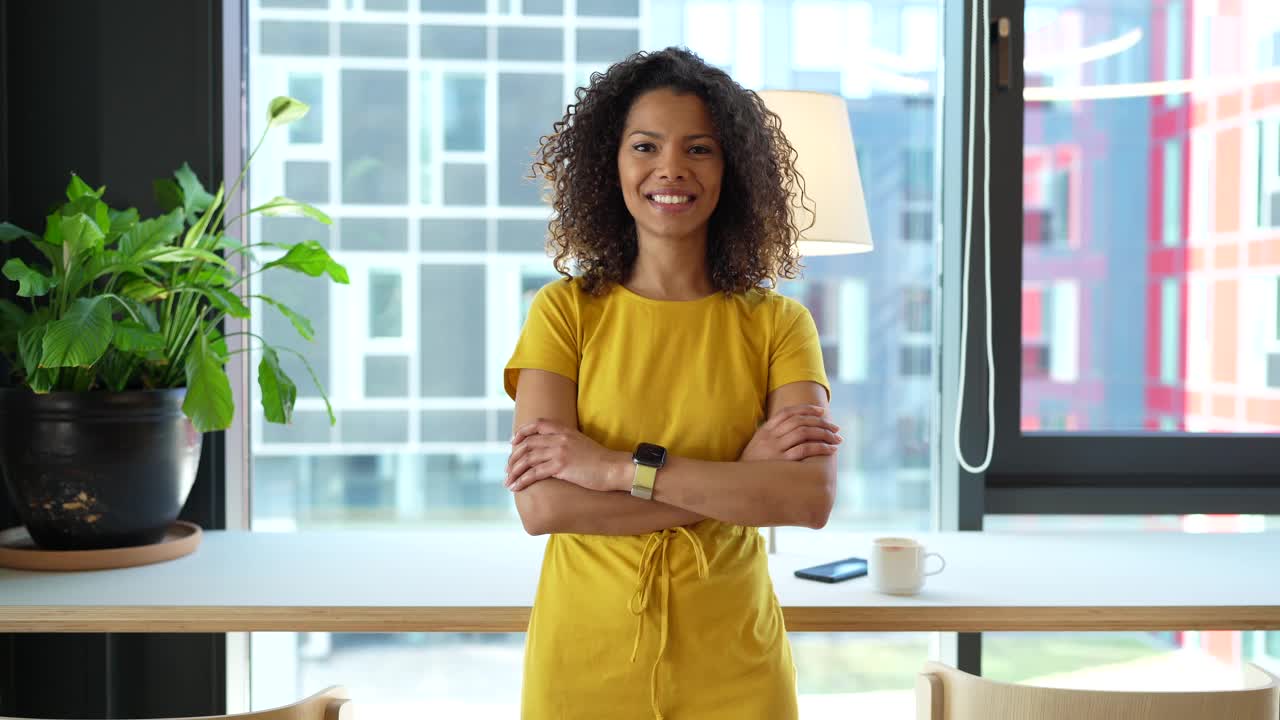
(940, 559)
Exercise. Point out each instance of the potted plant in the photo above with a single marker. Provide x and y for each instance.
(118, 358)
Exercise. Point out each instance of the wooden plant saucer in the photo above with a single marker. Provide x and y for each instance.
(18, 552)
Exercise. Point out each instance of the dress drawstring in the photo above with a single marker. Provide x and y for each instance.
(653, 560)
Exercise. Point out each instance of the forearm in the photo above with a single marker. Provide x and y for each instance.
(761, 494)
(553, 506)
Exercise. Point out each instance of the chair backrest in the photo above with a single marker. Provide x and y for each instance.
(328, 704)
(944, 693)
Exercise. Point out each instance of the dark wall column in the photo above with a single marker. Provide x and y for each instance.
(121, 93)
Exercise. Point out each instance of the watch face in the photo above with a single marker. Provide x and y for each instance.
(650, 454)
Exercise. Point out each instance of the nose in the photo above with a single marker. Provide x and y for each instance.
(672, 164)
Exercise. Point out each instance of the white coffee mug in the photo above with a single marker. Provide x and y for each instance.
(896, 565)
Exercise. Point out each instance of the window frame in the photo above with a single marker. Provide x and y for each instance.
(1069, 472)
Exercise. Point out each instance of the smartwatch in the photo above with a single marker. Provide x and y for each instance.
(647, 458)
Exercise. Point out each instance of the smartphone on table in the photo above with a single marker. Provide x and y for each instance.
(834, 572)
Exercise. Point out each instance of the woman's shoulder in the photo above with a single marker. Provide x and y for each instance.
(775, 305)
(562, 291)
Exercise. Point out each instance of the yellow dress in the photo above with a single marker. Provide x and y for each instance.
(681, 624)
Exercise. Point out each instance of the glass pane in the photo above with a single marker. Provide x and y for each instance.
(423, 167)
(1151, 195)
(385, 304)
(858, 675)
(464, 112)
(309, 88)
(1206, 660)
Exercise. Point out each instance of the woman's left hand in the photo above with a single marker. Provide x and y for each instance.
(547, 448)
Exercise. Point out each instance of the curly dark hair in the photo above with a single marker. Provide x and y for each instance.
(751, 239)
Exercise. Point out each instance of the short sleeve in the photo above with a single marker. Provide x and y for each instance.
(549, 339)
(797, 353)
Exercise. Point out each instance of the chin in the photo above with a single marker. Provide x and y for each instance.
(675, 231)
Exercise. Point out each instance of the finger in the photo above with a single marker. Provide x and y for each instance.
(533, 475)
(537, 427)
(782, 415)
(527, 444)
(532, 458)
(520, 464)
(802, 435)
(798, 421)
(517, 452)
(532, 433)
(806, 450)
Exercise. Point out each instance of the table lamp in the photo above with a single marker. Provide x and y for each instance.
(817, 125)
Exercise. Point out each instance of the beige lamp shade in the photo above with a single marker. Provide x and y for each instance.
(817, 125)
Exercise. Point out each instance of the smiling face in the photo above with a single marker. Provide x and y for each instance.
(670, 164)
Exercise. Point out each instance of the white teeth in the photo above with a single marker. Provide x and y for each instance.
(671, 199)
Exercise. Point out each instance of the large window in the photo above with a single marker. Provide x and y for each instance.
(1114, 162)
(425, 114)
(1189, 660)
(1134, 330)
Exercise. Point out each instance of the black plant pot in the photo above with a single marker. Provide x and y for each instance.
(95, 470)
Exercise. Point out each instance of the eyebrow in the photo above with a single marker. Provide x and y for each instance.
(660, 136)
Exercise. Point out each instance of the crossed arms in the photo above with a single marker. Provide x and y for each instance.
(565, 482)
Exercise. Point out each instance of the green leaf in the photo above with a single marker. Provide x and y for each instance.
(12, 320)
(80, 337)
(10, 232)
(208, 402)
(53, 229)
(40, 381)
(77, 189)
(31, 344)
(279, 206)
(31, 282)
(300, 323)
(198, 230)
(195, 199)
(168, 194)
(116, 368)
(278, 391)
(53, 253)
(148, 315)
(184, 254)
(216, 276)
(149, 234)
(143, 290)
(92, 207)
(312, 259)
(232, 246)
(133, 337)
(226, 301)
(79, 234)
(312, 372)
(217, 343)
(284, 110)
(122, 221)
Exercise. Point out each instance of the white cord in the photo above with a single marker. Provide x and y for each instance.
(985, 24)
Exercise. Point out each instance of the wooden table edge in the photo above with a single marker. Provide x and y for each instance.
(216, 619)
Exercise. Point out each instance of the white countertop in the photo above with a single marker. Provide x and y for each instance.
(466, 580)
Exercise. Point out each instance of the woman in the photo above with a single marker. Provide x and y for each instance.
(667, 405)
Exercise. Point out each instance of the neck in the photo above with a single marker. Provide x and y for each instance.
(671, 268)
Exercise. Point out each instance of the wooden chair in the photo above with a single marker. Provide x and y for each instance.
(944, 693)
(328, 704)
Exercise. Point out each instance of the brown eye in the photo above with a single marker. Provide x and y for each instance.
(643, 147)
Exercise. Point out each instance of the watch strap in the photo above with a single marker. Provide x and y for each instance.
(642, 482)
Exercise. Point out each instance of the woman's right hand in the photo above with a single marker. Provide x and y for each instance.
(794, 433)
